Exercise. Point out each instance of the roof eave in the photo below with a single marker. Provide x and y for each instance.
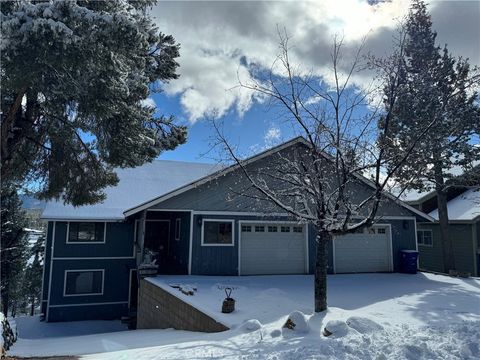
(210, 177)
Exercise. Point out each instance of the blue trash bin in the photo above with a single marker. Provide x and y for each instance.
(408, 261)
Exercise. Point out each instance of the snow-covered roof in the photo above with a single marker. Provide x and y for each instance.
(136, 186)
(415, 196)
(465, 207)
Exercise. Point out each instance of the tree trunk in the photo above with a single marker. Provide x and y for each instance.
(321, 263)
(447, 245)
(6, 286)
(5, 301)
(32, 306)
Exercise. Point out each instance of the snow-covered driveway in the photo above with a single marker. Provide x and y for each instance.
(390, 316)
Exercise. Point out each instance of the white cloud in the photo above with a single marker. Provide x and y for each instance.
(223, 40)
(272, 137)
(273, 134)
(149, 102)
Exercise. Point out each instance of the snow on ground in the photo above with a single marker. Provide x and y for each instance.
(374, 316)
(32, 328)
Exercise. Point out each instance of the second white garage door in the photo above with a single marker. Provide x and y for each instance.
(272, 248)
(370, 251)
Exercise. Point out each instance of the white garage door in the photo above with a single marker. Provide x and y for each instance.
(272, 248)
(369, 251)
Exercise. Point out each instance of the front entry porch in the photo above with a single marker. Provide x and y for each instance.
(166, 237)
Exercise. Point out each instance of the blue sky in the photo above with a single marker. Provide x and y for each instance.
(224, 41)
(254, 130)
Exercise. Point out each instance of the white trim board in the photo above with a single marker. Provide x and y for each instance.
(178, 234)
(82, 270)
(190, 245)
(91, 304)
(95, 258)
(239, 213)
(51, 266)
(61, 219)
(44, 264)
(130, 278)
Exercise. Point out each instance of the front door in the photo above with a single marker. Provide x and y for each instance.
(157, 233)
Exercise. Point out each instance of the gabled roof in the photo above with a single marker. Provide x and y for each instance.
(213, 176)
(465, 207)
(136, 185)
(224, 171)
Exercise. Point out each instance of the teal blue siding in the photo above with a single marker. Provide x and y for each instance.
(225, 192)
(117, 273)
(214, 260)
(477, 246)
(118, 243)
(220, 260)
(73, 313)
(116, 259)
(431, 257)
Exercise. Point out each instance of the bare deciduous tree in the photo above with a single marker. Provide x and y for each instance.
(322, 181)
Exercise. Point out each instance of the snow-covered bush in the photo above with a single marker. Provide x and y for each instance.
(8, 335)
(337, 329)
(251, 325)
(298, 322)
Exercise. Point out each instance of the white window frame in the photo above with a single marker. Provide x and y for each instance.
(422, 243)
(87, 242)
(177, 234)
(82, 270)
(218, 220)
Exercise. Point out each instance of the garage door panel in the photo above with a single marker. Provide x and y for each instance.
(272, 252)
(363, 253)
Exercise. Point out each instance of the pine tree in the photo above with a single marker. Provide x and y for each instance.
(437, 92)
(13, 246)
(75, 76)
(32, 282)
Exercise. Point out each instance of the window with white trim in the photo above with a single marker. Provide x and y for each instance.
(86, 232)
(83, 282)
(178, 223)
(272, 228)
(259, 228)
(217, 232)
(425, 237)
(284, 229)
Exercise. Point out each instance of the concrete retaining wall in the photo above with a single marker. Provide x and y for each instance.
(158, 309)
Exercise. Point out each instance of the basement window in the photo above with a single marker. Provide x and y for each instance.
(425, 237)
(83, 282)
(86, 232)
(217, 232)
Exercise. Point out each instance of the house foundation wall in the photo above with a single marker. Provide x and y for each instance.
(158, 309)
